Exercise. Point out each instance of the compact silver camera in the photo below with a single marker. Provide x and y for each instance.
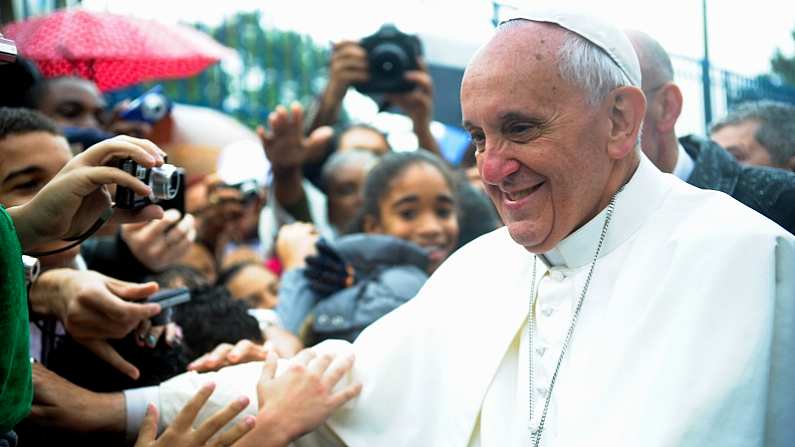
(166, 182)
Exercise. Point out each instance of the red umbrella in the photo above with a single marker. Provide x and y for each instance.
(113, 50)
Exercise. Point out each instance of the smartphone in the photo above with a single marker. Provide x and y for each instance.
(167, 299)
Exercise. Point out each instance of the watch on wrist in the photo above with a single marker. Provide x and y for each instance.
(32, 269)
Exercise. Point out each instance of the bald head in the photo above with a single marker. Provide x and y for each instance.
(655, 64)
(663, 101)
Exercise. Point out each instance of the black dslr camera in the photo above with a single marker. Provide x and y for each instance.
(390, 53)
(167, 183)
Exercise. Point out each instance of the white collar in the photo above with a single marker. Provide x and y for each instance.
(639, 198)
(684, 164)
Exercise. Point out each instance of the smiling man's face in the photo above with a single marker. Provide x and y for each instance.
(541, 148)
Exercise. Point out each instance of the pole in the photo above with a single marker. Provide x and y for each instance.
(705, 78)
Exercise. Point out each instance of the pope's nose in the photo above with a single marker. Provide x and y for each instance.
(494, 168)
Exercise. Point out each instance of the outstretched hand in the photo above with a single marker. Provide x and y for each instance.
(299, 400)
(227, 354)
(285, 144)
(181, 432)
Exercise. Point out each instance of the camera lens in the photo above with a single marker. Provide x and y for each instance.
(388, 60)
(165, 182)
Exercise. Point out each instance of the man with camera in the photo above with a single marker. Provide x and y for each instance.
(407, 84)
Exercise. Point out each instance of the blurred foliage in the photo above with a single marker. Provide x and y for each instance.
(784, 66)
(275, 67)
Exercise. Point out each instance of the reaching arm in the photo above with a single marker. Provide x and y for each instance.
(418, 105)
(287, 150)
(348, 65)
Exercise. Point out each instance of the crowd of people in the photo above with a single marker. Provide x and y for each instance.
(344, 245)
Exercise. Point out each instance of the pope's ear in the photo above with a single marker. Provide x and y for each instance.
(627, 106)
(670, 98)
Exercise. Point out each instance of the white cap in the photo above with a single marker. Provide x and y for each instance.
(597, 31)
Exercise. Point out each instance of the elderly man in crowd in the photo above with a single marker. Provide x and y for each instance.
(759, 133)
(606, 312)
(700, 162)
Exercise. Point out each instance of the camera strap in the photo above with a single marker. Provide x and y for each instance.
(77, 240)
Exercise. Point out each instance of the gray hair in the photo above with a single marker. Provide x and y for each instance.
(584, 64)
(589, 67)
(343, 158)
(776, 126)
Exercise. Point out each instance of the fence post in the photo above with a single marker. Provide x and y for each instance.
(705, 78)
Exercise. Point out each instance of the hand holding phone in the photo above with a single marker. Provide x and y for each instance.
(167, 299)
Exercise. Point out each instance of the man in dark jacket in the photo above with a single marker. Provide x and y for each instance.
(700, 162)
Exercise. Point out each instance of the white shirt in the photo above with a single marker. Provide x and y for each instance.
(684, 164)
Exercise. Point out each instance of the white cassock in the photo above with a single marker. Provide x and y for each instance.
(686, 336)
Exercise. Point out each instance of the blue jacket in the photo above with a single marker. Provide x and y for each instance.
(389, 272)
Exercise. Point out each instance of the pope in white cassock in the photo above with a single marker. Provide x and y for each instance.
(619, 306)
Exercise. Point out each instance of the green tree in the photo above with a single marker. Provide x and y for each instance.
(783, 65)
(276, 67)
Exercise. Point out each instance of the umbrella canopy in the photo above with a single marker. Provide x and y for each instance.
(113, 50)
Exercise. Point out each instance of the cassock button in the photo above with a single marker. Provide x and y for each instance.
(547, 311)
(540, 351)
(557, 275)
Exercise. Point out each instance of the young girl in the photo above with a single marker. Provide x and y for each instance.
(407, 226)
